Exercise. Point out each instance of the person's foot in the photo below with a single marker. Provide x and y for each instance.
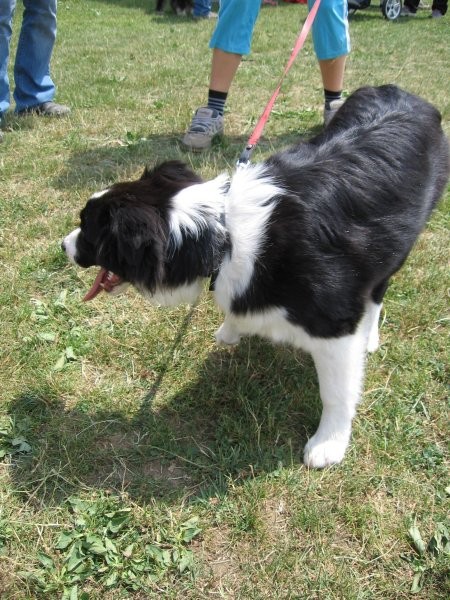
(46, 109)
(436, 14)
(331, 109)
(407, 12)
(210, 15)
(206, 124)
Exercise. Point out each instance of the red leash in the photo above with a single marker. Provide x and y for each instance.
(257, 132)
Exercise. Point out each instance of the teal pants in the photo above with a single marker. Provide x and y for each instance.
(237, 18)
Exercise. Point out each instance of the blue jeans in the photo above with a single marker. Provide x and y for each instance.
(33, 84)
(202, 8)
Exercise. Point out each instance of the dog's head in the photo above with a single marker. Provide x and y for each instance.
(125, 230)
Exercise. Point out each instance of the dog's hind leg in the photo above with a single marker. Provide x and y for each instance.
(373, 316)
(340, 367)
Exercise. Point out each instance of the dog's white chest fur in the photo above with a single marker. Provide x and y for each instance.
(248, 207)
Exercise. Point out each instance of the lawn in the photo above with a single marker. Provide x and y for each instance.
(138, 459)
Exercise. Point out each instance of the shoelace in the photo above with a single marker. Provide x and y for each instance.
(203, 124)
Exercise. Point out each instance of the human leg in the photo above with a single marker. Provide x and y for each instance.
(234, 29)
(202, 8)
(332, 72)
(409, 7)
(33, 84)
(7, 8)
(223, 69)
(330, 31)
(439, 5)
(331, 40)
(208, 120)
(230, 40)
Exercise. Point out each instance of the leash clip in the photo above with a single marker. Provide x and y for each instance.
(244, 159)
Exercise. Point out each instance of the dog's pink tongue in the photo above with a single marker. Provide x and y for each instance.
(97, 286)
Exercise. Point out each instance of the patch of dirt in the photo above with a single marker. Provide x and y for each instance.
(121, 467)
(7, 580)
(274, 514)
(222, 565)
(116, 441)
(172, 473)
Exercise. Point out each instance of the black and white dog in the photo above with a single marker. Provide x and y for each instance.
(301, 247)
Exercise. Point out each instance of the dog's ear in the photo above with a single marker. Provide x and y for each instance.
(133, 245)
(174, 173)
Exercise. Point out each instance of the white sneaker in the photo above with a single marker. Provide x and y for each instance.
(328, 113)
(210, 15)
(206, 124)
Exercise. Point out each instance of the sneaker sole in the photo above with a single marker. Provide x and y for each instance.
(200, 147)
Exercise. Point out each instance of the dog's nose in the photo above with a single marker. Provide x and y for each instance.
(63, 246)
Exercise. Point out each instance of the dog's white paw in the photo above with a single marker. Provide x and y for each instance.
(227, 335)
(322, 453)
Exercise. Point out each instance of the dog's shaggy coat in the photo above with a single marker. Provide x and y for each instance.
(300, 247)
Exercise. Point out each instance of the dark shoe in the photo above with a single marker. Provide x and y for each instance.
(46, 109)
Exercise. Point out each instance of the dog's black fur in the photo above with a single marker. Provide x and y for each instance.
(329, 222)
(123, 233)
(356, 197)
(179, 7)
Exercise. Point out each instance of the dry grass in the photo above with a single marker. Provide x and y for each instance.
(118, 405)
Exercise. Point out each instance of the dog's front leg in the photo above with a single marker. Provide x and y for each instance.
(228, 333)
(340, 367)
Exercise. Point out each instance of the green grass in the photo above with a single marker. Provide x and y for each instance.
(139, 460)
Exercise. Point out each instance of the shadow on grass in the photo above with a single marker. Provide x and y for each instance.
(146, 5)
(249, 411)
(94, 167)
